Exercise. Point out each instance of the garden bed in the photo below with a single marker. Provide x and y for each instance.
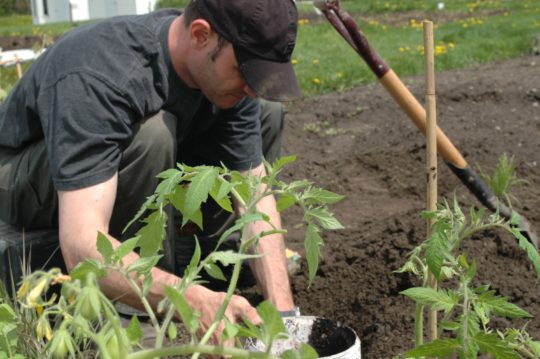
(359, 143)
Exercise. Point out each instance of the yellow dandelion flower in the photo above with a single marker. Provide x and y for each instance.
(294, 61)
(315, 62)
(316, 81)
(440, 49)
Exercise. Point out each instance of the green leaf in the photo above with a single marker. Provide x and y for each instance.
(220, 194)
(183, 308)
(436, 299)
(285, 201)
(241, 186)
(473, 325)
(240, 223)
(178, 198)
(436, 249)
(147, 283)
(125, 248)
(297, 185)
(249, 330)
(501, 307)
(230, 330)
(471, 272)
(143, 264)
(214, 271)
(529, 248)
(196, 256)
(305, 352)
(280, 162)
(491, 344)
(325, 218)
(198, 190)
(319, 195)
(231, 257)
(448, 325)
(462, 259)
(151, 235)
(436, 348)
(312, 244)
(134, 331)
(534, 346)
(104, 247)
(172, 331)
(81, 270)
(170, 179)
(7, 314)
(147, 204)
(273, 325)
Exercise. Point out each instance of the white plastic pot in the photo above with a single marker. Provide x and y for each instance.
(330, 339)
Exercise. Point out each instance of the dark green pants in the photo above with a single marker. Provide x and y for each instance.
(28, 199)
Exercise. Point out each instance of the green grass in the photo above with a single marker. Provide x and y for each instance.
(485, 31)
(325, 62)
(386, 6)
(17, 25)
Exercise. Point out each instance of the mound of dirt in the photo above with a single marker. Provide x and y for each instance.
(360, 144)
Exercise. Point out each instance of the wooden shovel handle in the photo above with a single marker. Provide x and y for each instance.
(417, 114)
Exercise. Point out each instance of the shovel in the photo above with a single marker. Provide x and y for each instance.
(347, 28)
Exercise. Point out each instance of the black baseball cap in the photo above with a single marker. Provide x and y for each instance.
(263, 35)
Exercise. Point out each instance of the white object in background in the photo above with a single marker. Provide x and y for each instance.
(12, 57)
(440, 6)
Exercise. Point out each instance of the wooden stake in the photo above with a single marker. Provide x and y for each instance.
(431, 153)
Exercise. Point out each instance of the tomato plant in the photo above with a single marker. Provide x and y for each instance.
(83, 317)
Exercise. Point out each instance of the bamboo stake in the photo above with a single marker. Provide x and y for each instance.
(431, 154)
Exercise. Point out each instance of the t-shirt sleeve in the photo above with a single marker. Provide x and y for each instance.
(235, 137)
(86, 122)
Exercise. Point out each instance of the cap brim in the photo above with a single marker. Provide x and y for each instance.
(274, 81)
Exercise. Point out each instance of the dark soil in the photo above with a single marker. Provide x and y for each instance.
(330, 338)
(377, 160)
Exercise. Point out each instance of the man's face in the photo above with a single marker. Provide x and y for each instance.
(219, 77)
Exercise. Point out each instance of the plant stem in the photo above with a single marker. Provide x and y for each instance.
(221, 311)
(145, 303)
(197, 348)
(164, 326)
(419, 325)
(465, 327)
(524, 351)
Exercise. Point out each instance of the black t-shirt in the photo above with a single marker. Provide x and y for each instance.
(85, 93)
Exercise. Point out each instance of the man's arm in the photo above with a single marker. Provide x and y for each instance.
(84, 212)
(271, 269)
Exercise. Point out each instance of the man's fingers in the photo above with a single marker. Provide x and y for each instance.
(243, 310)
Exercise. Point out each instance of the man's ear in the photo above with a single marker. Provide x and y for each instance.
(200, 33)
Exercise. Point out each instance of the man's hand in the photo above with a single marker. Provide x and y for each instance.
(207, 302)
